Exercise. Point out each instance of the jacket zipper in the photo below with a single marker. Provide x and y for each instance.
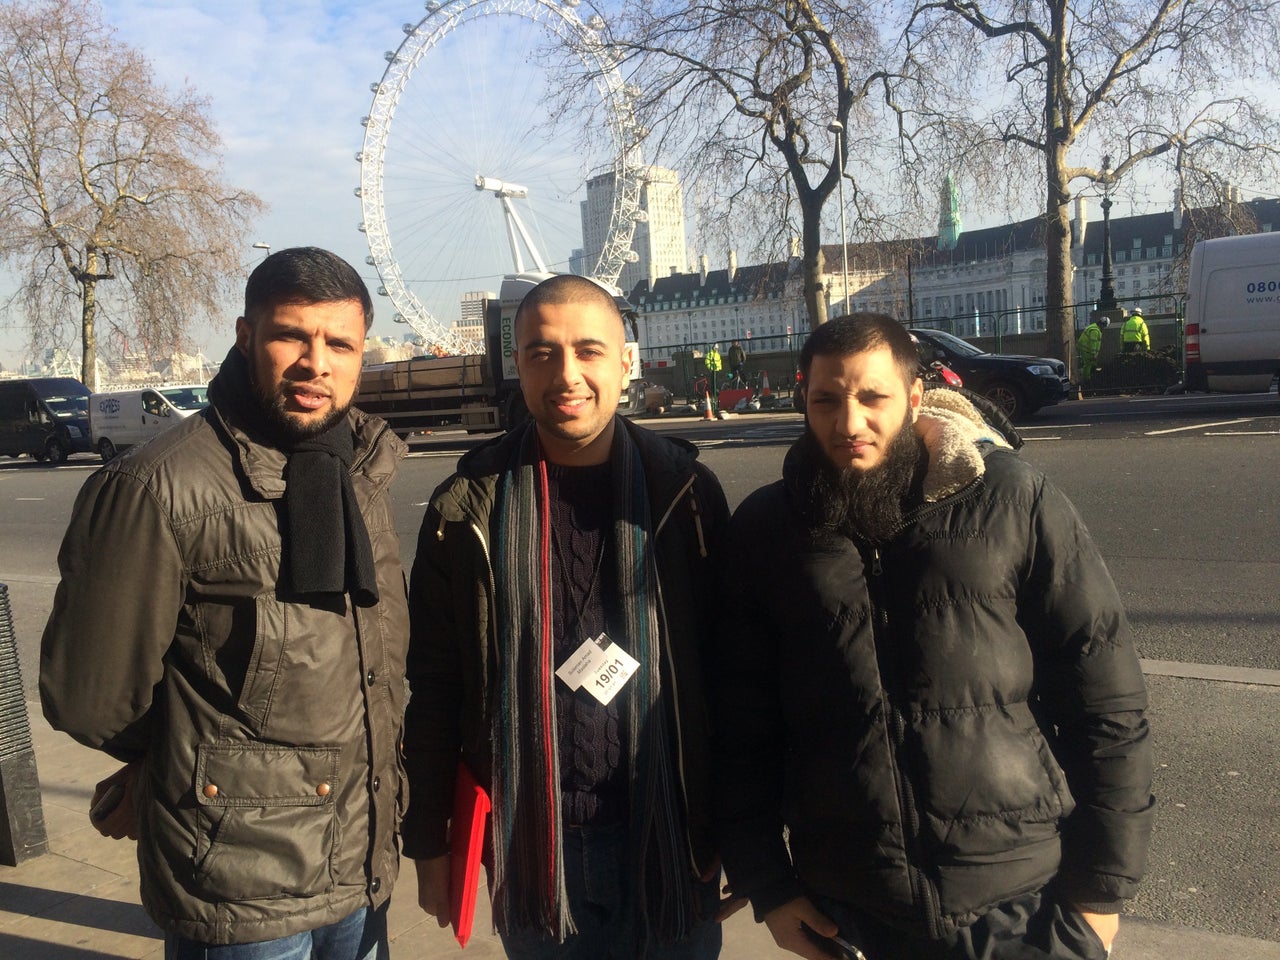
(666, 632)
(493, 608)
(922, 887)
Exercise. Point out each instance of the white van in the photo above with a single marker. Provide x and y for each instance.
(121, 418)
(1233, 314)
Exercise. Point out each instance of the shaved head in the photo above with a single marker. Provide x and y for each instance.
(564, 289)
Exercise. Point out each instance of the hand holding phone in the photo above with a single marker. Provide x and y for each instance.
(107, 803)
(835, 945)
(112, 811)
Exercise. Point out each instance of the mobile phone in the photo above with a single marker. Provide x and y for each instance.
(109, 801)
(852, 952)
(844, 949)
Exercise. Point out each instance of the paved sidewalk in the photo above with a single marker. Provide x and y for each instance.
(80, 900)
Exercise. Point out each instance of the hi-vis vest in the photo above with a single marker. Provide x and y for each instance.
(1090, 340)
(1135, 331)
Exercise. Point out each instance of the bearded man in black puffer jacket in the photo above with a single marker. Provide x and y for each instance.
(930, 730)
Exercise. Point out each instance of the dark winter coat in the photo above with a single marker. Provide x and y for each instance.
(267, 729)
(942, 721)
(452, 667)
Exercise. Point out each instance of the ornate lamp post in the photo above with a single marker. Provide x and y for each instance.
(1107, 299)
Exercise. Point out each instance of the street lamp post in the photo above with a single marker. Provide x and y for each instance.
(1107, 299)
(836, 127)
(264, 247)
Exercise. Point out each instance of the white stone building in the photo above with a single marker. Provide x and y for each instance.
(992, 283)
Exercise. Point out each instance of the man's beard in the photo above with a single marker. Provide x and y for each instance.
(866, 504)
(278, 419)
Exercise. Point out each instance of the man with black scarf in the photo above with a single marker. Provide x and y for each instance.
(231, 623)
(930, 731)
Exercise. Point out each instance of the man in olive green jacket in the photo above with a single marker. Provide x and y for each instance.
(231, 623)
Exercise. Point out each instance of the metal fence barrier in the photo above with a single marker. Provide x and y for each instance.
(22, 831)
(677, 366)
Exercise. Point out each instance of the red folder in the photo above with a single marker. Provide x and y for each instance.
(466, 845)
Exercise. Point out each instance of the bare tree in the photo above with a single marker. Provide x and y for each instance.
(740, 96)
(108, 178)
(1072, 80)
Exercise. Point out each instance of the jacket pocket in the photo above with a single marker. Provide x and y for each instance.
(267, 823)
(262, 674)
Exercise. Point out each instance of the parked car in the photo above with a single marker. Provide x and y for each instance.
(45, 417)
(122, 418)
(1018, 385)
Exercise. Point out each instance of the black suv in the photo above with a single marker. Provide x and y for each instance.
(1019, 385)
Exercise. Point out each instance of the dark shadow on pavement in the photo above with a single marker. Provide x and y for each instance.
(24, 948)
(96, 913)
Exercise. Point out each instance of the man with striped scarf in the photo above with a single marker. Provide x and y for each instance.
(560, 600)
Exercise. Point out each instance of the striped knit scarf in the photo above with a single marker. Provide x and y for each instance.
(529, 890)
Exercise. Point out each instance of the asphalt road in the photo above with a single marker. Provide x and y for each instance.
(1180, 494)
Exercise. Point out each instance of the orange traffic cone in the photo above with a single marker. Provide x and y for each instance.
(706, 406)
(764, 384)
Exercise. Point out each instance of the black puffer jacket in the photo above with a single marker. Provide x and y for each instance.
(941, 722)
(452, 650)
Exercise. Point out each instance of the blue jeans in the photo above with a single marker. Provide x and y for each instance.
(597, 879)
(361, 936)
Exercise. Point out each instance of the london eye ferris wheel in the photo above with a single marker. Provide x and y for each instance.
(477, 96)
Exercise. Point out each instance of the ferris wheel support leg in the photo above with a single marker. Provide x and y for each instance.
(512, 222)
(514, 225)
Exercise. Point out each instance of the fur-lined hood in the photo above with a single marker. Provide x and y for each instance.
(957, 438)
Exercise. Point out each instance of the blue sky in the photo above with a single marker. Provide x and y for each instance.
(288, 83)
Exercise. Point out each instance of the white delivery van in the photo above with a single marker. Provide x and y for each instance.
(121, 418)
(1233, 314)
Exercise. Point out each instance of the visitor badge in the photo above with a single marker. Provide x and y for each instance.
(599, 665)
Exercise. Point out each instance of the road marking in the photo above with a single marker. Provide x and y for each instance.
(29, 499)
(28, 578)
(1034, 439)
(433, 454)
(1052, 426)
(1197, 398)
(1243, 433)
(1211, 671)
(1199, 426)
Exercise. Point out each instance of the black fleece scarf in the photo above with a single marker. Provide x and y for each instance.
(327, 545)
